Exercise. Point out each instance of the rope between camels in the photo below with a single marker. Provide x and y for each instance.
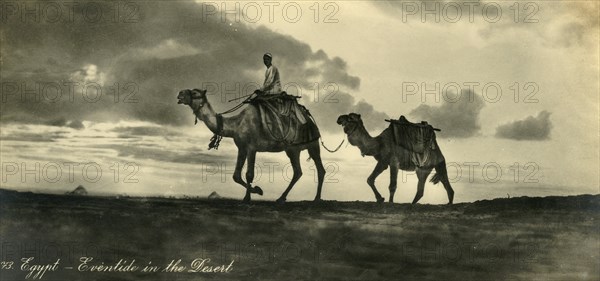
(322, 143)
(334, 150)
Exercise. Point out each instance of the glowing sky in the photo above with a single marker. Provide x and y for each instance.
(363, 56)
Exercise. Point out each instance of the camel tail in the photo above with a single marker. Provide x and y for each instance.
(440, 173)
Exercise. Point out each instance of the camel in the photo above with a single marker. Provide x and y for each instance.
(388, 154)
(248, 135)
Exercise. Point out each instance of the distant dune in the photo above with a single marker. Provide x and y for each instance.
(550, 238)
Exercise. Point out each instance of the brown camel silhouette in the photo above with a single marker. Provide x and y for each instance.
(249, 137)
(388, 153)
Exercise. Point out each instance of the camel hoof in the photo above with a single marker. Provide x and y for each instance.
(280, 200)
(380, 200)
(257, 190)
(318, 200)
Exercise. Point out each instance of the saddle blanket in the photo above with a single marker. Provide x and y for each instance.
(284, 120)
(418, 138)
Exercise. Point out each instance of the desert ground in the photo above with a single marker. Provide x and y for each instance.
(550, 238)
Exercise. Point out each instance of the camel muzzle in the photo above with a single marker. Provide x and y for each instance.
(342, 120)
(180, 98)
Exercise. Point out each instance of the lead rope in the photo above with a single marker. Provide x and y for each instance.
(322, 143)
(216, 138)
(224, 112)
(336, 149)
(214, 142)
(236, 107)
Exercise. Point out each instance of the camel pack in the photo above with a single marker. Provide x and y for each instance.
(285, 120)
(419, 138)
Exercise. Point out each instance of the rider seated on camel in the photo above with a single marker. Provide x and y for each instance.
(272, 84)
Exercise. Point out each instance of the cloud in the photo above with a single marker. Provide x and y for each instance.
(555, 23)
(134, 131)
(371, 118)
(76, 124)
(188, 156)
(88, 74)
(33, 137)
(332, 105)
(59, 122)
(335, 71)
(168, 50)
(458, 119)
(54, 122)
(531, 128)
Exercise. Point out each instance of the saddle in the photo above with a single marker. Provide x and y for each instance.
(418, 138)
(284, 119)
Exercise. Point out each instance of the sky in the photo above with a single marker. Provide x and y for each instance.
(89, 92)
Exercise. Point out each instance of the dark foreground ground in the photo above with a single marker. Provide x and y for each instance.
(551, 238)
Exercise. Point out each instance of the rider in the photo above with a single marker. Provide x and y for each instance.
(272, 84)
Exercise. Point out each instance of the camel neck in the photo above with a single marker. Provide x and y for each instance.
(210, 119)
(362, 139)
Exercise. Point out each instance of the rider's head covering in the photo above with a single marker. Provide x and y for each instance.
(268, 55)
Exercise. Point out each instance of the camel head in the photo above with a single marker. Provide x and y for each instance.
(195, 98)
(350, 122)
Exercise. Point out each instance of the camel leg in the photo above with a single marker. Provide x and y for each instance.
(250, 176)
(441, 169)
(381, 166)
(239, 164)
(393, 181)
(294, 156)
(449, 190)
(315, 153)
(422, 176)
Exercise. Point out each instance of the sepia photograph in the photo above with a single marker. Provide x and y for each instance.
(299, 140)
